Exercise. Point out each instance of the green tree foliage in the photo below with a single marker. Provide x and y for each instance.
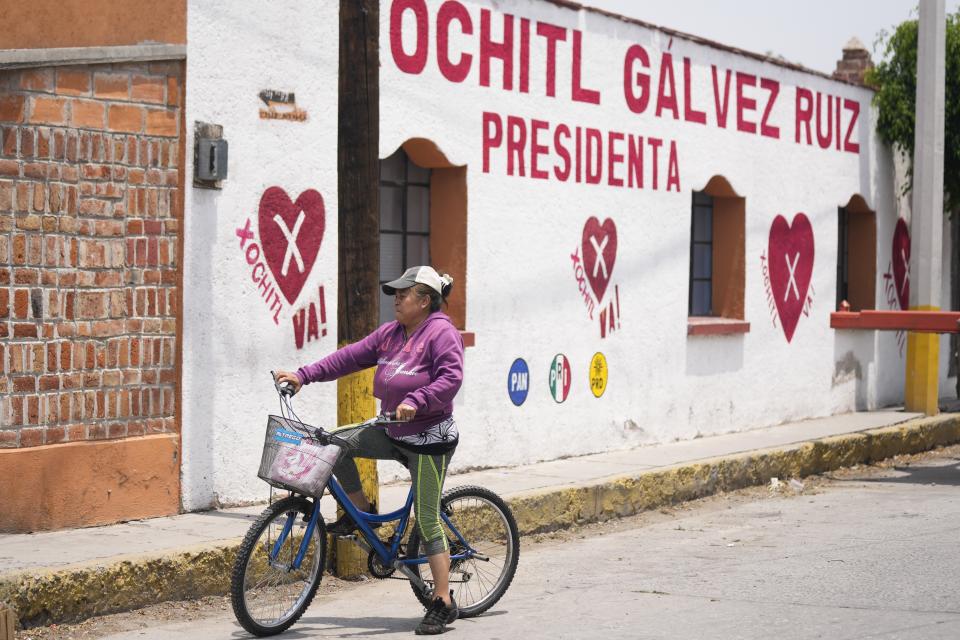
(895, 80)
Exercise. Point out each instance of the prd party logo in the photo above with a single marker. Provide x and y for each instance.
(598, 374)
(560, 377)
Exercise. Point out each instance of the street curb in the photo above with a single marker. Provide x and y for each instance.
(82, 591)
(626, 495)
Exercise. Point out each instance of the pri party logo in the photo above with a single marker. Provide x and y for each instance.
(290, 234)
(560, 377)
(593, 263)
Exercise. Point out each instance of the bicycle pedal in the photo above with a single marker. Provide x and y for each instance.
(350, 536)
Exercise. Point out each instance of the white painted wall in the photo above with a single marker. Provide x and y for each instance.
(522, 297)
(230, 341)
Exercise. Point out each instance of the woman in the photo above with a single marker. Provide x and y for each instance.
(419, 361)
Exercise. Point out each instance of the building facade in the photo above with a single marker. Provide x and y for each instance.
(648, 232)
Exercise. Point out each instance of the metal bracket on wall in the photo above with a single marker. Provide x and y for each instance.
(209, 156)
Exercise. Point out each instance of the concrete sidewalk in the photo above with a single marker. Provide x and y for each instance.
(73, 574)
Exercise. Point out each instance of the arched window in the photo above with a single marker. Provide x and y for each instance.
(423, 220)
(717, 266)
(404, 221)
(856, 255)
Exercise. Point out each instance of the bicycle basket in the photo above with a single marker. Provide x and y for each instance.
(293, 460)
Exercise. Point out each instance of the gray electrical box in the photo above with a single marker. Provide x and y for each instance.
(209, 156)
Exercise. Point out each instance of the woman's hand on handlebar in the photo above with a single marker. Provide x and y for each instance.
(287, 377)
(405, 412)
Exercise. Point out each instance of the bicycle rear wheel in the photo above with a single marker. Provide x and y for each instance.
(487, 524)
(268, 594)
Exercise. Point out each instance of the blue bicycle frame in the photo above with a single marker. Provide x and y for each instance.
(370, 542)
(387, 555)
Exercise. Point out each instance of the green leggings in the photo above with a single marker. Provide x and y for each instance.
(426, 471)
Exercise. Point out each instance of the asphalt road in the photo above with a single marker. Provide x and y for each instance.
(871, 553)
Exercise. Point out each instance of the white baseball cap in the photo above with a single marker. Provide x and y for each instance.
(418, 275)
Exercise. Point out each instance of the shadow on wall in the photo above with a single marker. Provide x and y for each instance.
(196, 433)
(854, 355)
(707, 356)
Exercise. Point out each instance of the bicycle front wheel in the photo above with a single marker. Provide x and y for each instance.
(267, 592)
(486, 523)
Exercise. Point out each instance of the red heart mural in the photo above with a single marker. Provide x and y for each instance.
(599, 246)
(290, 234)
(790, 251)
(901, 263)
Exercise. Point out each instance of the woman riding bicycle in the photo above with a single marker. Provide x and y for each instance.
(419, 360)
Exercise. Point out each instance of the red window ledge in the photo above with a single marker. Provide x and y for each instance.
(469, 338)
(913, 320)
(712, 326)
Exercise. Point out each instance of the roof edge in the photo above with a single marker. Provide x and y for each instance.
(576, 6)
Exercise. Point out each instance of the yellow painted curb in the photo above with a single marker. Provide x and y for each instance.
(82, 591)
(627, 495)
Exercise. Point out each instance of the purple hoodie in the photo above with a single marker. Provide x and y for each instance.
(424, 372)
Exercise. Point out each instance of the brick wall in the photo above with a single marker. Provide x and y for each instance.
(90, 218)
(854, 64)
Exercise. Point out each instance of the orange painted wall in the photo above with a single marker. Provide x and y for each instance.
(92, 23)
(87, 483)
(729, 269)
(448, 235)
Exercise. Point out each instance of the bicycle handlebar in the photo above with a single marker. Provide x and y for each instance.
(286, 390)
(283, 388)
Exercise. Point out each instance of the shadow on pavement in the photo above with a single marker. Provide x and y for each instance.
(235, 516)
(317, 626)
(371, 625)
(946, 474)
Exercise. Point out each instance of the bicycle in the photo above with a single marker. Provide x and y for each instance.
(282, 557)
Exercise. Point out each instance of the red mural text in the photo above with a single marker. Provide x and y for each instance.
(269, 292)
(496, 42)
(542, 150)
(310, 324)
(833, 125)
(494, 50)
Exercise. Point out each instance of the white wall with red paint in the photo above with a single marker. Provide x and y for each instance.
(259, 286)
(525, 94)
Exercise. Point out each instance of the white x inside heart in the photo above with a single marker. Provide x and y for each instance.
(293, 251)
(599, 263)
(792, 283)
(906, 270)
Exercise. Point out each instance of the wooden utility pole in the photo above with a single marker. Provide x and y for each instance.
(358, 208)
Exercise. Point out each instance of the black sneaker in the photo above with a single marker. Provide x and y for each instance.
(439, 615)
(344, 525)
